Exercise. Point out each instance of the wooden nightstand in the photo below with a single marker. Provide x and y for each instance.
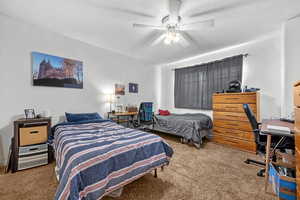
(30, 148)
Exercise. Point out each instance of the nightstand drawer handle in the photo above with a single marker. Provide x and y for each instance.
(34, 132)
(33, 149)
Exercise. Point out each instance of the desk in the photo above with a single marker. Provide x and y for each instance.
(117, 115)
(264, 130)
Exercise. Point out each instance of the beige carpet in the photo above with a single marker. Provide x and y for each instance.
(212, 173)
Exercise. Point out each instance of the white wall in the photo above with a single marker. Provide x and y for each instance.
(102, 69)
(292, 61)
(262, 69)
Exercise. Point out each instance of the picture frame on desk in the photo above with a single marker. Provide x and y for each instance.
(29, 113)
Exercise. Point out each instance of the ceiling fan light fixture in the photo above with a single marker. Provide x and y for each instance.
(167, 41)
(172, 28)
(177, 37)
(172, 37)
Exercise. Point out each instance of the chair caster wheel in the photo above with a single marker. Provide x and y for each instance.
(247, 162)
(260, 174)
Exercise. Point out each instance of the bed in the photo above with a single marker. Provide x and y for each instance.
(190, 127)
(96, 157)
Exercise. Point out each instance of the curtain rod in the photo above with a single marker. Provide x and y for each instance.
(244, 55)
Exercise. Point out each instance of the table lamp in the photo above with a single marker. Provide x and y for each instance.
(110, 98)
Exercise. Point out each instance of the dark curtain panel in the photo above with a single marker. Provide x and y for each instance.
(195, 85)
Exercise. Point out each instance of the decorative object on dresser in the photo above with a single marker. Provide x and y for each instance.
(130, 108)
(30, 148)
(231, 125)
(297, 134)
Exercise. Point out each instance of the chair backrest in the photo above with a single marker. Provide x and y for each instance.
(253, 122)
(146, 111)
(251, 117)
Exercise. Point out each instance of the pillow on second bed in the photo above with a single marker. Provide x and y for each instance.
(164, 112)
(72, 117)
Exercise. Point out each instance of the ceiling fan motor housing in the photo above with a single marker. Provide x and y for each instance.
(166, 21)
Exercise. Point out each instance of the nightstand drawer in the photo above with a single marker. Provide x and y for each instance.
(32, 161)
(33, 149)
(33, 135)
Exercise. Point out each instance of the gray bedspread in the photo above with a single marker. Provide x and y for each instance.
(192, 127)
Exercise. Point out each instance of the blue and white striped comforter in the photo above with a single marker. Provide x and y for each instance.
(98, 157)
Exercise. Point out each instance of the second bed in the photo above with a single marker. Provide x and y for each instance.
(191, 127)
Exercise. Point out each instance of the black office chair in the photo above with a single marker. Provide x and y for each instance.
(261, 140)
(145, 116)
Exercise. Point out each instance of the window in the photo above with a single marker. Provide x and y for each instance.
(195, 85)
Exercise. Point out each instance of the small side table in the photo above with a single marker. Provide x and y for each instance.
(30, 148)
(117, 115)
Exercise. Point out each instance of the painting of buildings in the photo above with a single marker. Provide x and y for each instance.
(48, 70)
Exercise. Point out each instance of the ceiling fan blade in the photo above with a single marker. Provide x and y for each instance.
(158, 40)
(146, 26)
(174, 9)
(123, 11)
(184, 40)
(198, 25)
(189, 38)
(228, 7)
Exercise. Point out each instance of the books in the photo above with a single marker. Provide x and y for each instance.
(279, 129)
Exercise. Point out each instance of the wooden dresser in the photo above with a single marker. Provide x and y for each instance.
(297, 134)
(231, 125)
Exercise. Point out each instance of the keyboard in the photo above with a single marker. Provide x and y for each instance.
(287, 120)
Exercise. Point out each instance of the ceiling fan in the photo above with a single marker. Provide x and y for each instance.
(173, 30)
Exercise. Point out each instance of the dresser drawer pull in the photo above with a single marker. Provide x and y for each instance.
(231, 116)
(33, 149)
(231, 141)
(34, 132)
(233, 98)
(232, 124)
(230, 107)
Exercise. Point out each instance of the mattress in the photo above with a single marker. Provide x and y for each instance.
(192, 127)
(95, 158)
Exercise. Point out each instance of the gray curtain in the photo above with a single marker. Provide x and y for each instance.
(195, 85)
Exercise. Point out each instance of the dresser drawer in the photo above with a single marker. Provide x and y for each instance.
(243, 135)
(235, 99)
(297, 95)
(33, 135)
(297, 138)
(234, 116)
(233, 107)
(237, 143)
(297, 154)
(32, 161)
(33, 149)
(236, 125)
(297, 118)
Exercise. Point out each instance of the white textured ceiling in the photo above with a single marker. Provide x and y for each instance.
(108, 23)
